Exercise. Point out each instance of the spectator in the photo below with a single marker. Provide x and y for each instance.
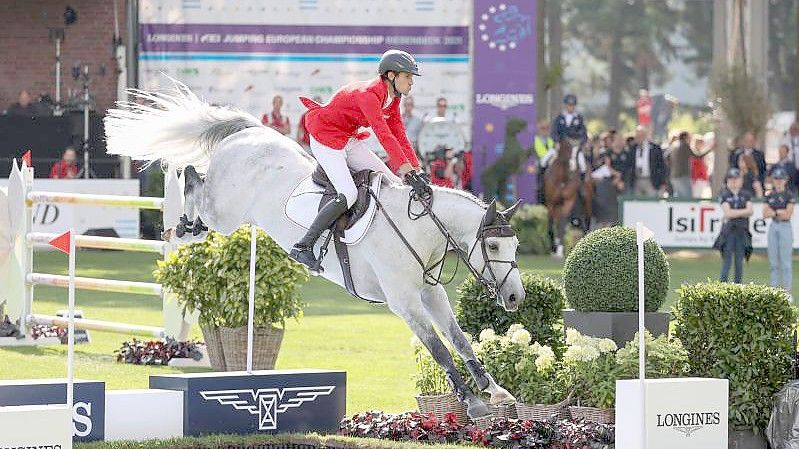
(442, 169)
(750, 175)
(700, 178)
(779, 207)
(276, 119)
(786, 164)
(441, 111)
(24, 107)
(66, 168)
(680, 163)
(734, 240)
(792, 141)
(466, 175)
(542, 143)
(413, 124)
(649, 177)
(747, 146)
(621, 161)
(569, 124)
(303, 138)
(607, 183)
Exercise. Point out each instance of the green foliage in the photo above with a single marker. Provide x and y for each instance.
(742, 333)
(539, 313)
(741, 97)
(530, 224)
(500, 354)
(430, 378)
(212, 276)
(664, 358)
(601, 272)
(543, 379)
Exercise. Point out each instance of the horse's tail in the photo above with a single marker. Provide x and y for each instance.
(176, 128)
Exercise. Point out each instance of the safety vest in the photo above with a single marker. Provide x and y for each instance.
(541, 148)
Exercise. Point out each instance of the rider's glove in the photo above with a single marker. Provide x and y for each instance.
(419, 184)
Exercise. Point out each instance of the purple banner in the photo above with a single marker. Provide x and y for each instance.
(430, 40)
(504, 75)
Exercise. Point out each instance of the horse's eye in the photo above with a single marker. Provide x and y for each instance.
(493, 246)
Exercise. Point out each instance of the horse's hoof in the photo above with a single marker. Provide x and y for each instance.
(477, 409)
(502, 397)
(180, 231)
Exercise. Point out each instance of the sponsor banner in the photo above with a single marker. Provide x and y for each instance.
(88, 411)
(56, 218)
(35, 426)
(693, 224)
(504, 71)
(244, 53)
(688, 413)
(274, 401)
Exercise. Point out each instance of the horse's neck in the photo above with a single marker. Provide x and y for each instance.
(460, 212)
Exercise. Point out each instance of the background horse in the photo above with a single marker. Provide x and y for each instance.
(563, 187)
(251, 170)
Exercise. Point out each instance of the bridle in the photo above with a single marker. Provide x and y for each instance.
(498, 227)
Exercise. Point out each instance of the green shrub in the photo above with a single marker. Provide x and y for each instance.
(742, 333)
(429, 378)
(539, 313)
(530, 224)
(601, 273)
(665, 357)
(212, 276)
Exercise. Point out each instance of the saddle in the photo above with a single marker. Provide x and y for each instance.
(363, 180)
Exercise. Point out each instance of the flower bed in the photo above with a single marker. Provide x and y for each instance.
(156, 352)
(502, 432)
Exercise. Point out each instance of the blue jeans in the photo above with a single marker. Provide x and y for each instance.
(734, 246)
(780, 251)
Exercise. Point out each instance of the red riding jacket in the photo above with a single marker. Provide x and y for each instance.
(356, 105)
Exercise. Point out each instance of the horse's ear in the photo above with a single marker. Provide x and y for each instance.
(491, 213)
(508, 213)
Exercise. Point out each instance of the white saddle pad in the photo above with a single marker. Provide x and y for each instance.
(303, 205)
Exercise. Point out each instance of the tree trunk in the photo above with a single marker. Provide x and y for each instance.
(614, 92)
(796, 70)
(541, 103)
(555, 28)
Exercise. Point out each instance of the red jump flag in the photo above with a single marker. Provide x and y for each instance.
(61, 242)
(27, 158)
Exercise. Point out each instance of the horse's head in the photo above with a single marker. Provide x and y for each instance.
(495, 251)
(564, 150)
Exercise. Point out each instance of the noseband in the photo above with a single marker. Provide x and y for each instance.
(500, 229)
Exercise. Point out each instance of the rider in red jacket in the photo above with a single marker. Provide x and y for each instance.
(338, 146)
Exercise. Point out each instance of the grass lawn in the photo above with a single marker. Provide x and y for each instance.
(337, 332)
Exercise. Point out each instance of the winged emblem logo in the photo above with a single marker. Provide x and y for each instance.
(267, 403)
(688, 430)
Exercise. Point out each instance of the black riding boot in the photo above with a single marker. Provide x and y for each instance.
(302, 251)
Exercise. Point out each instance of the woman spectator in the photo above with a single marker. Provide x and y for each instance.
(734, 240)
(779, 207)
(276, 119)
(750, 175)
(700, 177)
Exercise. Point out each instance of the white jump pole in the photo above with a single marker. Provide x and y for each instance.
(71, 327)
(642, 235)
(251, 298)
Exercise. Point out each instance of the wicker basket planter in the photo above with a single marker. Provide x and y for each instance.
(266, 344)
(593, 414)
(544, 412)
(441, 404)
(214, 344)
(503, 410)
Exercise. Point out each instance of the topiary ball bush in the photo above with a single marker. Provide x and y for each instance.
(601, 272)
(539, 313)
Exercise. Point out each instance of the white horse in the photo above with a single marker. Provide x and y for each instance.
(250, 172)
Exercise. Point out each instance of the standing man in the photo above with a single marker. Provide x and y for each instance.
(413, 124)
(569, 124)
(680, 162)
(542, 144)
(442, 111)
(649, 178)
(779, 207)
(747, 146)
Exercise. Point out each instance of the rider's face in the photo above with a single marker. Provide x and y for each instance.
(403, 81)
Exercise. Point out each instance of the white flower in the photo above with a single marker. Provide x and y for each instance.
(544, 363)
(546, 351)
(535, 347)
(606, 345)
(487, 334)
(589, 353)
(521, 337)
(513, 328)
(573, 337)
(578, 353)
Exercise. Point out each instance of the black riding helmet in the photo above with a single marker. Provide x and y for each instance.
(397, 61)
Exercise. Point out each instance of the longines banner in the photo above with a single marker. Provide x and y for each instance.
(693, 224)
(57, 217)
(244, 52)
(504, 71)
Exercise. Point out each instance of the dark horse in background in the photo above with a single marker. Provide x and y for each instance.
(563, 188)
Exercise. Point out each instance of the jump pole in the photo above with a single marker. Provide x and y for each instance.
(251, 298)
(642, 234)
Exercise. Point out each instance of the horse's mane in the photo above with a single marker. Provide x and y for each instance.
(462, 194)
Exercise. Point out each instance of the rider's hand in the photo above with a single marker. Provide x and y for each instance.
(404, 169)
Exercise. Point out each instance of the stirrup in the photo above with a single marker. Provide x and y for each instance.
(305, 256)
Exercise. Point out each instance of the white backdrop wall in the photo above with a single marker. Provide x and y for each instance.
(244, 52)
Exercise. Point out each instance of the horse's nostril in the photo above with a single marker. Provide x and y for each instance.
(512, 298)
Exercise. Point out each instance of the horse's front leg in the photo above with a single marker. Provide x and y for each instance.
(414, 316)
(436, 303)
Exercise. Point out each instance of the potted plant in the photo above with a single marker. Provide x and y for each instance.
(590, 365)
(434, 393)
(545, 391)
(212, 276)
(600, 279)
(743, 333)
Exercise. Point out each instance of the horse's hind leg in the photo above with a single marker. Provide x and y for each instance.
(193, 193)
(412, 313)
(437, 305)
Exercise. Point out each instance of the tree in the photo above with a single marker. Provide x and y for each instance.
(782, 55)
(632, 37)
